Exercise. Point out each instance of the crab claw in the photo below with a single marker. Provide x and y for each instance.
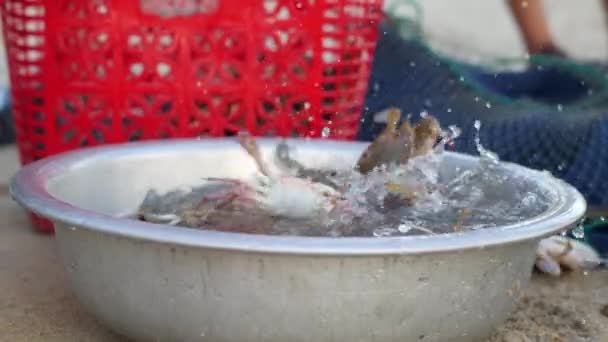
(170, 219)
(556, 253)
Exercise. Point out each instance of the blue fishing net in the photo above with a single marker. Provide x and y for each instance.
(7, 133)
(552, 116)
(595, 234)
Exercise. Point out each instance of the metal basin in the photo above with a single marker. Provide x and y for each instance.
(163, 283)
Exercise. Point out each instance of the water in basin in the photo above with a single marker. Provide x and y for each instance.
(486, 196)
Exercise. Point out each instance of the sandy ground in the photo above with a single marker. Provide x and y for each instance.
(36, 304)
(9, 163)
(568, 309)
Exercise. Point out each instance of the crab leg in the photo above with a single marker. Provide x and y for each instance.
(392, 118)
(251, 146)
(390, 146)
(282, 154)
(426, 133)
(462, 215)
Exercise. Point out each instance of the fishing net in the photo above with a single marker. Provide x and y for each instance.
(552, 116)
(594, 233)
(7, 131)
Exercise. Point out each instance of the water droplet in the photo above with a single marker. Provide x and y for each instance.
(376, 86)
(404, 228)
(325, 132)
(476, 99)
(424, 114)
(383, 232)
(579, 231)
(488, 105)
(449, 110)
(455, 132)
(560, 107)
(524, 4)
(461, 78)
(528, 200)
(428, 103)
(487, 156)
(477, 125)
(412, 64)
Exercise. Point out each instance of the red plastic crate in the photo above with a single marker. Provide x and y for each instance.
(90, 72)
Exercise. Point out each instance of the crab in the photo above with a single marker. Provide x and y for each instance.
(226, 200)
(304, 192)
(185, 206)
(397, 145)
(557, 253)
(282, 195)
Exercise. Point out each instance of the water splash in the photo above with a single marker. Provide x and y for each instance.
(579, 231)
(486, 155)
(487, 194)
(445, 200)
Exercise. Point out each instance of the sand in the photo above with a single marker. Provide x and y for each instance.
(567, 309)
